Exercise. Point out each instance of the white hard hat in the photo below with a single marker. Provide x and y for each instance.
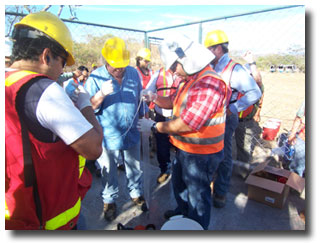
(191, 55)
(8, 50)
(179, 222)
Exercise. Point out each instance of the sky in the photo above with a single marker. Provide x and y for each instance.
(149, 17)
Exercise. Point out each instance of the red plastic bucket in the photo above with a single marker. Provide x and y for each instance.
(271, 129)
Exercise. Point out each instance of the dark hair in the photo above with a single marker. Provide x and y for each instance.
(82, 68)
(29, 43)
(138, 59)
(225, 47)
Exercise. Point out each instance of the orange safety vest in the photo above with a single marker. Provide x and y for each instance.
(226, 75)
(144, 78)
(210, 138)
(61, 179)
(165, 83)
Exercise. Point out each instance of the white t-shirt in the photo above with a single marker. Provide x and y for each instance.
(56, 112)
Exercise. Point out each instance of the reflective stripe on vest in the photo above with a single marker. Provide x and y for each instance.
(7, 213)
(165, 83)
(82, 163)
(16, 76)
(246, 112)
(210, 138)
(64, 218)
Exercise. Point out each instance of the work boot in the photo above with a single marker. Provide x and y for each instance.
(219, 201)
(170, 213)
(109, 210)
(141, 203)
(162, 177)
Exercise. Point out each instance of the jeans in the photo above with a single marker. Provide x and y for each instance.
(299, 161)
(224, 172)
(108, 162)
(191, 178)
(163, 148)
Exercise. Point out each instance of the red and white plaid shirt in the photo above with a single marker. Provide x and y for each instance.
(204, 99)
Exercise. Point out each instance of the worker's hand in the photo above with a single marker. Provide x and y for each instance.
(256, 116)
(106, 88)
(77, 74)
(148, 95)
(82, 98)
(144, 125)
(248, 57)
(292, 138)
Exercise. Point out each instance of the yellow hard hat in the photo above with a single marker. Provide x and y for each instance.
(52, 26)
(215, 37)
(115, 52)
(145, 53)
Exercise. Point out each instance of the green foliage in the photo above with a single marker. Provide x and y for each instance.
(264, 62)
(89, 52)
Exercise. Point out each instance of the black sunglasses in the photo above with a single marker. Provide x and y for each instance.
(62, 55)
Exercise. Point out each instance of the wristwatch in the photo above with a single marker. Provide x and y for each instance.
(154, 128)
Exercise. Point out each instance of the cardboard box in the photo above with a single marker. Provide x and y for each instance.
(271, 186)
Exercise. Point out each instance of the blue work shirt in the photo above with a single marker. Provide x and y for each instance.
(70, 86)
(117, 113)
(242, 82)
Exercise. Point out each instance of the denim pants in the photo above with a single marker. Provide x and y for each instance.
(108, 162)
(191, 178)
(163, 148)
(224, 172)
(298, 163)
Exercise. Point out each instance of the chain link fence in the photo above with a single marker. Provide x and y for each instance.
(276, 37)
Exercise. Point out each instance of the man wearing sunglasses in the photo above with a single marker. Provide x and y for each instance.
(45, 131)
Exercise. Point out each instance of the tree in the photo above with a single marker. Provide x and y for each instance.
(21, 10)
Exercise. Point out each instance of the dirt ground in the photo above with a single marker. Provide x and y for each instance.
(284, 93)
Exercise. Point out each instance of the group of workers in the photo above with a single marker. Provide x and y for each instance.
(53, 127)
